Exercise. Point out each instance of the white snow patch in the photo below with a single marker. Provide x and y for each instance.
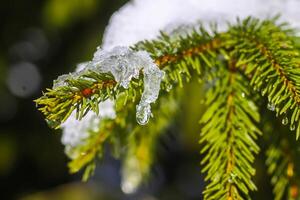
(75, 132)
(143, 19)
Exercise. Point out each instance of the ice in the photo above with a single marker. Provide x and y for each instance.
(143, 113)
(81, 67)
(143, 19)
(121, 62)
(125, 64)
(152, 80)
(62, 80)
(76, 132)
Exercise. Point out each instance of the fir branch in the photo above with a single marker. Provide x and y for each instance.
(123, 132)
(78, 94)
(92, 148)
(84, 93)
(261, 55)
(282, 161)
(282, 167)
(277, 166)
(142, 142)
(228, 135)
(267, 54)
(267, 51)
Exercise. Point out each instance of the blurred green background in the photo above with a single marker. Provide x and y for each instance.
(39, 40)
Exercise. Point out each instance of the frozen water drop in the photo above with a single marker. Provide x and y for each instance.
(83, 153)
(271, 106)
(52, 123)
(292, 127)
(169, 87)
(285, 121)
(143, 113)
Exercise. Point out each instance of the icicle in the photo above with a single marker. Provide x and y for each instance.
(143, 113)
(125, 64)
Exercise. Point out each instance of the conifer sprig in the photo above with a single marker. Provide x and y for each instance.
(251, 54)
(267, 55)
(282, 163)
(229, 135)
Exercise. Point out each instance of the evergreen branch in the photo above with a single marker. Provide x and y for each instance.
(267, 51)
(183, 56)
(83, 93)
(267, 54)
(92, 148)
(261, 54)
(229, 134)
(281, 167)
(140, 141)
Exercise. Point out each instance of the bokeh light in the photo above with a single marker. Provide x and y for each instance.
(23, 79)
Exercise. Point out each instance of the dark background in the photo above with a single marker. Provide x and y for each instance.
(39, 40)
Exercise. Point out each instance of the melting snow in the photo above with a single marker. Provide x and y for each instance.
(75, 132)
(143, 19)
(125, 64)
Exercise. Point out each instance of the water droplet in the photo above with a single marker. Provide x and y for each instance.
(256, 88)
(169, 87)
(292, 127)
(232, 177)
(285, 121)
(271, 106)
(243, 94)
(143, 113)
(52, 123)
(263, 92)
